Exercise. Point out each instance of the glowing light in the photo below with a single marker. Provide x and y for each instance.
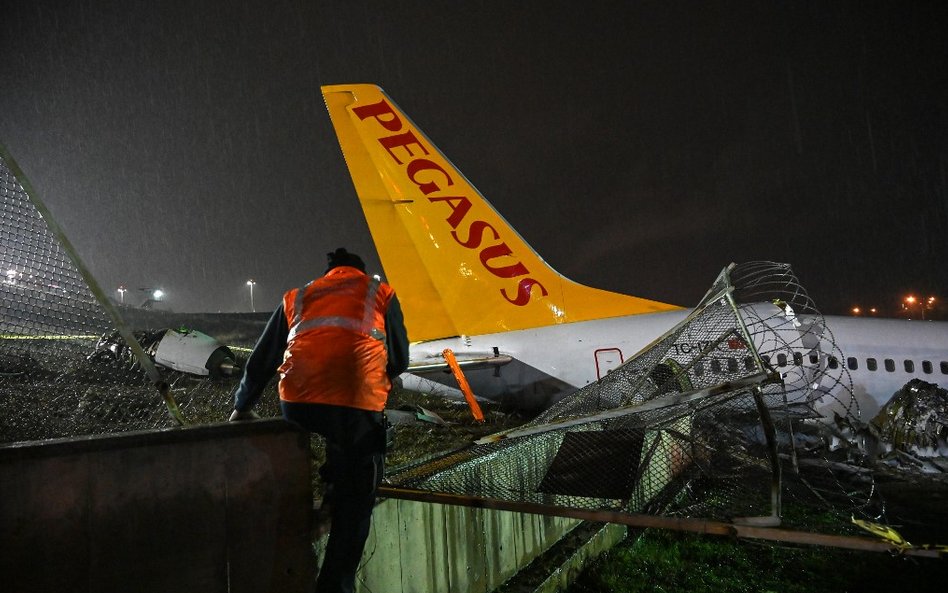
(923, 303)
(158, 294)
(251, 283)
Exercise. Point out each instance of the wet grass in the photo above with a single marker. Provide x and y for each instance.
(660, 560)
(663, 560)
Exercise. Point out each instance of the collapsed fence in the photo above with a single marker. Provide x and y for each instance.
(70, 364)
(712, 437)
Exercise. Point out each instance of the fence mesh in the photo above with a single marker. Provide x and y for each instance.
(715, 419)
(65, 370)
(721, 417)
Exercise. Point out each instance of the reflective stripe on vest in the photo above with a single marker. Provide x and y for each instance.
(364, 325)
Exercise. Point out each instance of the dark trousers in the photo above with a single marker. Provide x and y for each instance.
(355, 454)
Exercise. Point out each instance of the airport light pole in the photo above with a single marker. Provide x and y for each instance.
(909, 301)
(251, 284)
(922, 303)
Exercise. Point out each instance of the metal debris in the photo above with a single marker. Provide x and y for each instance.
(911, 430)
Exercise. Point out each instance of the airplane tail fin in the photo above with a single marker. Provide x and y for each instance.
(458, 267)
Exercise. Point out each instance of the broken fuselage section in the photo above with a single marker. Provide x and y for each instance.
(184, 350)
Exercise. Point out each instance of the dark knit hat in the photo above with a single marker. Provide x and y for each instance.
(341, 257)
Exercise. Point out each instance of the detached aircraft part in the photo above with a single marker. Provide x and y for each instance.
(911, 431)
(183, 350)
(193, 352)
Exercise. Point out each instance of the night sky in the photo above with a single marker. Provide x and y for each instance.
(637, 146)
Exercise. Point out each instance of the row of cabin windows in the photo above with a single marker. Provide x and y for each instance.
(731, 364)
(909, 365)
(718, 365)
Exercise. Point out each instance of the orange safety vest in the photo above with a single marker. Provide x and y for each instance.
(335, 353)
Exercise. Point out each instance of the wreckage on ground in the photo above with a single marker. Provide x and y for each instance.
(718, 432)
(911, 431)
(184, 350)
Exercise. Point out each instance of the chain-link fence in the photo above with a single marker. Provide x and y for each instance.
(712, 420)
(66, 367)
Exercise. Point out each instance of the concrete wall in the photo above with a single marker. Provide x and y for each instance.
(420, 546)
(226, 508)
(215, 508)
(417, 547)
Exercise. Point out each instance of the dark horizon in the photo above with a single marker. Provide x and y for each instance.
(638, 148)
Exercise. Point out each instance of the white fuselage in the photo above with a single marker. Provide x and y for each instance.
(881, 355)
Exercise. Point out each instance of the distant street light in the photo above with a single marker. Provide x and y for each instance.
(923, 304)
(122, 290)
(158, 294)
(251, 283)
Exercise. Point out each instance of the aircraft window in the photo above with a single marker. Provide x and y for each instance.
(909, 366)
(927, 367)
(889, 365)
(871, 364)
(798, 359)
(716, 366)
(699, 368)
(748, 363)
(852, 363)
(833, 363)
(814, 359)
(781, 360)
(732, 364)
(944, 368)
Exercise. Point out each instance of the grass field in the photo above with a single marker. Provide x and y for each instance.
(657, 560)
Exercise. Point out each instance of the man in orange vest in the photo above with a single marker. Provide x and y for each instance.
(337, 343)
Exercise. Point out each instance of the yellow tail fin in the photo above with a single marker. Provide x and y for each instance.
(458, 266)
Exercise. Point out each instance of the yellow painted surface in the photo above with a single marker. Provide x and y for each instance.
(459, 268)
